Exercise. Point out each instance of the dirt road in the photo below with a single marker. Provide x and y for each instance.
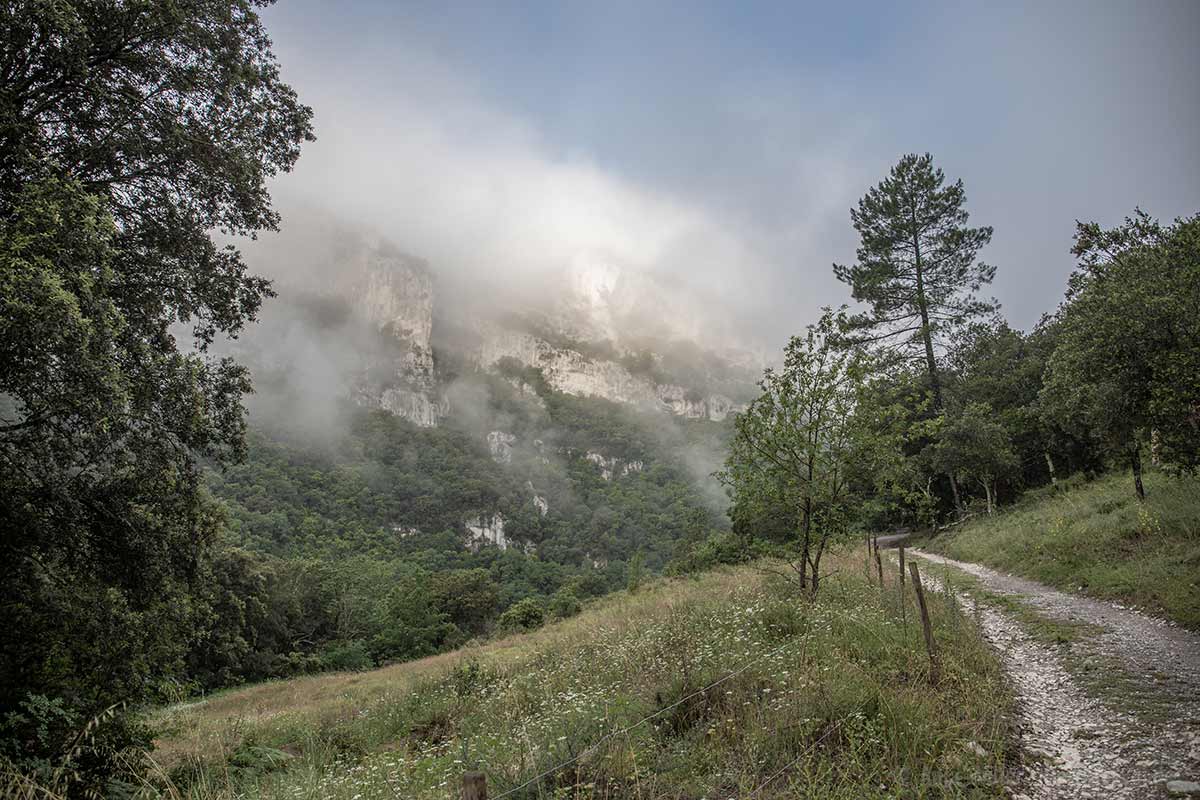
(1112, 710)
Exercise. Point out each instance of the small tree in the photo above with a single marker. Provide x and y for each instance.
(973, 446)
(791, 447)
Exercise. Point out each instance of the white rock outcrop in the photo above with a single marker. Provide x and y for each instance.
(611, 467)
(484, 530)
(396, 296)
(539, 502)
(571, 372)
(686, 403)
(500, 445)
(415, 406)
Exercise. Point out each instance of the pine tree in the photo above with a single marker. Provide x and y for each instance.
(916, 266)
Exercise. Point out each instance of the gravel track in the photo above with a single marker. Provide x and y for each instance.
(1078, 743)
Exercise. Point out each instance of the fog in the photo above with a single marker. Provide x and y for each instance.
(721, 147)
(715, 148)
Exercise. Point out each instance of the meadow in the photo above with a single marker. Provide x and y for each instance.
(726, 684)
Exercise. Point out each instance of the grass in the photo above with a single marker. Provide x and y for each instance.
(742, 678)
(1096, 538)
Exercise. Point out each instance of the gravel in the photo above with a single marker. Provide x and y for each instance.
(1077, 744)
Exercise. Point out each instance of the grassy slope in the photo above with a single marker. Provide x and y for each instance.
(844, 685)
(1098, 539)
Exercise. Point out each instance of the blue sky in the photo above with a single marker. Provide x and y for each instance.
(721, 145)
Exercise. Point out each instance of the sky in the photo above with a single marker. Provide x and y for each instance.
(720, 146)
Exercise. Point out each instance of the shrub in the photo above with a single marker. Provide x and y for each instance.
(564, 604)
(347, 657)
(524, 615)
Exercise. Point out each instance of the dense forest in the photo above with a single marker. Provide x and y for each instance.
(154, 544)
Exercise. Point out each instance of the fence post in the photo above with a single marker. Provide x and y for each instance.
(474, 786)
(903, 610)
(867, 563)
(925, 623)
(879, 568)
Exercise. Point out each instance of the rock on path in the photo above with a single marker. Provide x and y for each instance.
(1079, 745)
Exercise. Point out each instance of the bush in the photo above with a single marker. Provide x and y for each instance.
(717, 549)
(525, 615)
(564, 604)
(347, 657)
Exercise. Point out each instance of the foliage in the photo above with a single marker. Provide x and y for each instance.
(971, 445)
(527, 615)
(916, 265)
(1128, 360)
(793, 445)
(130, 132)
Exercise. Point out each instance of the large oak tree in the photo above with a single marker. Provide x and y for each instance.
(129, 132)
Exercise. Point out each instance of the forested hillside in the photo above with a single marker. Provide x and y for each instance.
(384, 540)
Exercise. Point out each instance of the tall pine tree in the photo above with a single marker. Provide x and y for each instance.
(917, 269)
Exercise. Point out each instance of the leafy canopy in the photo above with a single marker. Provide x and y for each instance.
(128, 132)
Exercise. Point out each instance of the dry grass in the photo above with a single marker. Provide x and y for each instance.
(831, 697)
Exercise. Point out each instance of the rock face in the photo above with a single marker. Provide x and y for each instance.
(393, 294)
(571, 372)
(576, 347)
(500, 445)
(611, 467)
(486, 529)
(684, 403)
(415, 406)
(539, 502)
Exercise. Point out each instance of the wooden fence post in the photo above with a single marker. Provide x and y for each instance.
(867, 563)
(925, 623)
(903, 610)
(879, 568)
(474, 786)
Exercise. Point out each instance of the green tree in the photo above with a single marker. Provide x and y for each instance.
(792, 446)
(916, 268)
(1127, 366)
(972, 445)
(128, 132)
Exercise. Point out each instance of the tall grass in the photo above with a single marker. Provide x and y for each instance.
(1097, 538)
(745, 683)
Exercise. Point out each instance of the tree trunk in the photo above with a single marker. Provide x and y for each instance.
(1050, 466)
(958, 506)
(1135, 463)
(935, 382)
(990, 490)
(804, 543)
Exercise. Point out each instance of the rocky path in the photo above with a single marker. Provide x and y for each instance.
(1113, 713)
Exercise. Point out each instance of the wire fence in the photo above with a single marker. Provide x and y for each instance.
(650, 717)
(808, 751)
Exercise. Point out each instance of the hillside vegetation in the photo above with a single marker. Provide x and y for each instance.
(1097, 538)
(741, 679)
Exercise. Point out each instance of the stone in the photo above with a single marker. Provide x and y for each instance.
(500, 445)
(486, 529)
(1183, 789)
(975, 749)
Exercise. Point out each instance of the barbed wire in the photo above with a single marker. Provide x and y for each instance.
(656, 714)
(740, 670)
